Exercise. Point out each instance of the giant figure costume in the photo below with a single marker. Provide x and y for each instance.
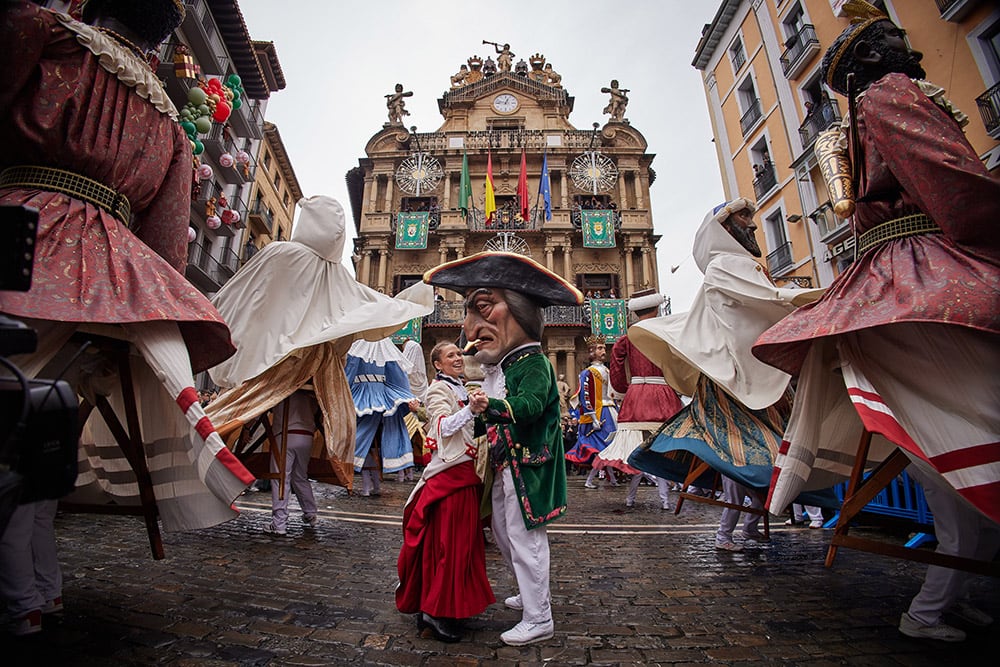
(291, 331)
(91, 140)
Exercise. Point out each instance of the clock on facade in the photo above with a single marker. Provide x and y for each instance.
(505, 103)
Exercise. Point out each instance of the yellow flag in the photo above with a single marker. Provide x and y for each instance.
(490, 207)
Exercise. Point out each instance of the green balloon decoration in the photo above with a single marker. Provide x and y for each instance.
(203, 124)
(199, 147)
(197, 96)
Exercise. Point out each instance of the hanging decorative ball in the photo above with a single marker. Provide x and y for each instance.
(192, 234)
(227, 160)
(197, 96)
(236, 216)
(213, 222)
(205, 172)
(197, 147)
(243, 157)
(222, 111)
(203, 124)
(227, 216)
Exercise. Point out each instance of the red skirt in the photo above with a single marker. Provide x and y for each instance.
(442, 564)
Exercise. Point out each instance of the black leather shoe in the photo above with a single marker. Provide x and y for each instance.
(442, 629)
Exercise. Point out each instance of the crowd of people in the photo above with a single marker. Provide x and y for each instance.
(315, 370)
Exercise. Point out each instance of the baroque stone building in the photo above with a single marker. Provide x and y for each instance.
(599, 181)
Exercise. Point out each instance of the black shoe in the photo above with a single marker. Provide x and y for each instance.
(441, 629)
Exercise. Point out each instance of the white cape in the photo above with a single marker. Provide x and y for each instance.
(736, 303)
(296, 294)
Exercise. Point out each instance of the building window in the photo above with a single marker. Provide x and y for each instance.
(267, 161)
(599, 285)
(737, 55)
(400, 283)
(751, 112)
(779, 259)
(277, 181)
(765, 177)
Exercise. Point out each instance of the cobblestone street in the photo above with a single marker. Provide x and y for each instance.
(630, 587)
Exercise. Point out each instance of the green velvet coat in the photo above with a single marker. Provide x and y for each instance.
(529, 431)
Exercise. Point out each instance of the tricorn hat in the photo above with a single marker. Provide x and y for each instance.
(506, 270)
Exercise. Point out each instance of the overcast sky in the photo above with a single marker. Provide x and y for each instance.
(340, 59)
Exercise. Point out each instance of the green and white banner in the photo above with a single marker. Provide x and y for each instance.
(598, 229)
(608, 318)
(411, 230)
(411, 330)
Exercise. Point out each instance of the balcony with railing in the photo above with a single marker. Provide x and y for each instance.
(829, 225)
(989, 109)
(506, 219)
(209, 273)
(800, 49)
(765, 180)
(821, 117)
(780, 259)
(452, 313)
(955, 10)
(261, 219)
(751, 117)
(441, 142)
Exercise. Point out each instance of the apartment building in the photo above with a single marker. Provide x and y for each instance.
(760, 62)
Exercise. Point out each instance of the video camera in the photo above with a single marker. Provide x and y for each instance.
(38, 418)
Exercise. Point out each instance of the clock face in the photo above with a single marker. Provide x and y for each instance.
(505, 103)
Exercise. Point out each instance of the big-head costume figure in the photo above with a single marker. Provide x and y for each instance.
(504, 296)
(912, 326)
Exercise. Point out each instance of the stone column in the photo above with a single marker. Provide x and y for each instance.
(568, 260)
(629, 271)
(563, 190)
(383, 262)
(622, 193)
(446, 204)
(364, 276)
(571, 368)
(552, 360)
(442, 254)
(371, 186)
(388, 194)
(549, 250)
(641, 187)
(646, 282)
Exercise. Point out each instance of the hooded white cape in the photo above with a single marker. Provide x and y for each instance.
(296, 294)
(736, 303)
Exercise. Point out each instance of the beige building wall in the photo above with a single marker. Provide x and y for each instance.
(274, 196)
(760, 62)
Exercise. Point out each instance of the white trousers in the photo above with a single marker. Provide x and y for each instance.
(526, 552)
(29, 567)
(814, 513)
(732, 492)
(961, 530)
(661, 486)
(296, 478)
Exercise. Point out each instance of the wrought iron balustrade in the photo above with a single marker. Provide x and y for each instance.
(989, 109)
(821, 117)
(799, 47)
(750, 117)
(780, 258)
(766, 179)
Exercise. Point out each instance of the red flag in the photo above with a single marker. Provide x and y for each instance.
(522, 188)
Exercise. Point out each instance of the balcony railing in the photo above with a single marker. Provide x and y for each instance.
(989, 109)
(739, 57)
(821, 117)
(452, 313)
(800, 48)
(210, 273)
(750, 117)
(439, 142)
(827, 221)
(779, 259)
(262, 218)
(506, 220)
(766, 179)
(433, 219)
(576, 217)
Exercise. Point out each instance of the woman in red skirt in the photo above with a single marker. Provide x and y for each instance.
(442, 564)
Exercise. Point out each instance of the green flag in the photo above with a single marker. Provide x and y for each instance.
(465, 187)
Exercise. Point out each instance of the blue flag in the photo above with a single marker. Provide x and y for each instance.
(543, 186)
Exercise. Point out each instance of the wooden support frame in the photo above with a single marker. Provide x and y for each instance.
(246, 446)
(861, 490)
(699, 468)
(129, 440)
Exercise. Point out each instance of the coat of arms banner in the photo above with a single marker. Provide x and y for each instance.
(608, 318)
(411, 230)
(598, 229)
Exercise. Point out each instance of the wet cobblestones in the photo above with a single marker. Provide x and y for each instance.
(630, 587)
